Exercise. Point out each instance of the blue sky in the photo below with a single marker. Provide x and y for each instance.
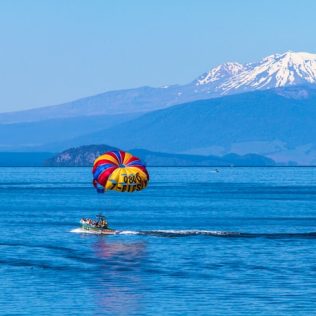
(56, 51)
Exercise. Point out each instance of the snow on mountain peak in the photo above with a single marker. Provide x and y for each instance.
(220, 72)
(276, 70)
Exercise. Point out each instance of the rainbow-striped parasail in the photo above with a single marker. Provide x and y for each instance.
(119, 171)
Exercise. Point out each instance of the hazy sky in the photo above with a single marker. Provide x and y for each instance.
(56, 51)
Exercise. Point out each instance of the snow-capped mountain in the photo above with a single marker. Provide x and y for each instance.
(277, 70)
(220, 72)
(219, 125)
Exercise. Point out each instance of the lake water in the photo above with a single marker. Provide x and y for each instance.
(238, 242)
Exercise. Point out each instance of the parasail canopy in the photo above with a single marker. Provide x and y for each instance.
(119, 171)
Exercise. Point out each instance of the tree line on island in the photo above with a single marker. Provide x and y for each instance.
(84, 156)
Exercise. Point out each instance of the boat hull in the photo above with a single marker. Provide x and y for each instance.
(102, 231)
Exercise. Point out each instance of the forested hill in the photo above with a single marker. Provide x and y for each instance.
(85, 155)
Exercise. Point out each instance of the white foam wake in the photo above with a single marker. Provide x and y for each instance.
(84, 231)
(191, 232)
(122, 232)
(128, 232)
(179, 233)
(159, 232)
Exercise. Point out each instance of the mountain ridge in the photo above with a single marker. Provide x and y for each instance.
(262, 122)
(276, 70)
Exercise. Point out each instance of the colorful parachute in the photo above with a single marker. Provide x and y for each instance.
(120, 171)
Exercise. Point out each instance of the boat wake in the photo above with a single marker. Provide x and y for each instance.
(210, 233)
(91, 232)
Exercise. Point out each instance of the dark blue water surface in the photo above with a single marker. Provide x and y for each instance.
(238, 242)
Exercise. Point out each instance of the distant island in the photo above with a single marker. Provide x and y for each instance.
(84, 156)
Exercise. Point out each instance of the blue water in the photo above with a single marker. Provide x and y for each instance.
(196, 242)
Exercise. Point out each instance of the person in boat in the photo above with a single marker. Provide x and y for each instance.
(103, 223)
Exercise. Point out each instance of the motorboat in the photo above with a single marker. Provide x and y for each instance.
(98, 225)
